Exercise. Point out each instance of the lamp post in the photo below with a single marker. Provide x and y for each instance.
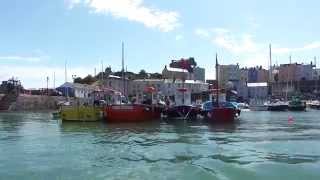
(47, 85)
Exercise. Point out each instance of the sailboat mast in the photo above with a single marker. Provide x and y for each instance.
(66, 79)
(288, 69)
(217, 79)
(270, 69)
(291, 83)
(317, 75)
(54, 80)
(123, 79)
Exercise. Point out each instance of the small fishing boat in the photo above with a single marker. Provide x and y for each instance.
(183, 108)
(277, 105)
(220, 113)
(123, 113)
(81, 113)
(315, 104)
(296, 104)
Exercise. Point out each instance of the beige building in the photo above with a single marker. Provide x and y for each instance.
(166, 87)
(228, 73)
(175, 73)
(117, 83)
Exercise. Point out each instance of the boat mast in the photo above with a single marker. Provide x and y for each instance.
(317, 76)
(123, 78)
(66, 79)
(270, 69)
(288, 79)
(217, 79)
(54, 80)
(291, 83)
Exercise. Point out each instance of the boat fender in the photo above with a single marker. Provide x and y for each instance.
(147, 109)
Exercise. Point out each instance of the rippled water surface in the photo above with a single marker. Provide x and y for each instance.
(261, 145)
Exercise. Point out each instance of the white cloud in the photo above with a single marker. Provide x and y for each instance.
(21, 58)
(245, 49)
(133, 10)
(35, 56)
(310, 46)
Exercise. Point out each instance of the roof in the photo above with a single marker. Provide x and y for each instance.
(175, 69)
(148, 80)
(76, 85)
(113, 76)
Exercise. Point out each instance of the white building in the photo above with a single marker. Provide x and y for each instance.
(116, 83)
(258, 90)
(77, 90)
(176, 73)
(166, 87)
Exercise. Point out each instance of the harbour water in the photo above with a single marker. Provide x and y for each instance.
(262, 145)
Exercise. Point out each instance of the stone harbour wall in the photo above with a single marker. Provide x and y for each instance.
(36, 102)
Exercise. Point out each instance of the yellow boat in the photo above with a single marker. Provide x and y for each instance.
(81, 113)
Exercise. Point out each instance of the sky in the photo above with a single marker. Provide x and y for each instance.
(38, 37)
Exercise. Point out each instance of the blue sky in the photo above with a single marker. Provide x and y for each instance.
(37, 36)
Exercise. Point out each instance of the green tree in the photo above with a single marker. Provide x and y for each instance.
(143, 74)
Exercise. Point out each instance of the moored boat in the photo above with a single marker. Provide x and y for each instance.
(277, 105)
(123, 113)
(221, 113)
(296, 104)
(182, 112)
(182, 109)
(315, 104)
(81, 113)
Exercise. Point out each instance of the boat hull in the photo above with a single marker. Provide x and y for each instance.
(312, 106)
(81, 113)
(297, 108)
(182, 112)
(131, 113)
(221, 115)
(278, 108)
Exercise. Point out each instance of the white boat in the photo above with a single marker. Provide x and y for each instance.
(314, 104)
(277, 105)
(243, 105)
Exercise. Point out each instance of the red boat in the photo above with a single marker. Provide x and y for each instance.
(131, 113)
(124, 112)
(220, 113)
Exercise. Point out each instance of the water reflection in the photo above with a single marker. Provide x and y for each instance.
(32, 143)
